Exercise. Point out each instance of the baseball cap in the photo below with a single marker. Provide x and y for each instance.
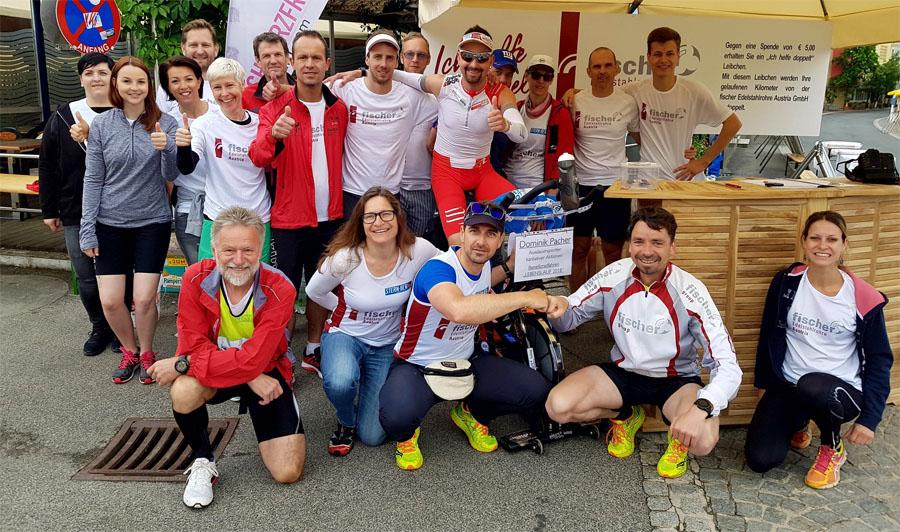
(485, 212)
(542, 60)
(504, 58)
(381, 37)
(477, 36)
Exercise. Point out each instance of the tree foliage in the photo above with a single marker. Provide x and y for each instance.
(155, 45)
(858, 64)
(885, 77)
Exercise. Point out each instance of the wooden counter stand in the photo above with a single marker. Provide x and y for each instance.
(735, 240)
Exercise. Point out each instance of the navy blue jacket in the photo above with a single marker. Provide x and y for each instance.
(873, 348)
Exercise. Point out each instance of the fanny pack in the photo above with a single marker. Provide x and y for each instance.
(450, 380)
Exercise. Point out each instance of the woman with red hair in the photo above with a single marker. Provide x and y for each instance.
(126, 218)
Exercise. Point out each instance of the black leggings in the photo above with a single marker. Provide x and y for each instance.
(782, 411)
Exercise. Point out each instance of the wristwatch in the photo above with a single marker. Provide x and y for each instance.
(506, 270)
(182, 365)
(706, 406)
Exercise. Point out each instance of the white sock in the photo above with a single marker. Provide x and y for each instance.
(311, 348)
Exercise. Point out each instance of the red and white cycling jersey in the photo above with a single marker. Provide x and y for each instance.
(427, 335)
(463, 135)
(658, 329)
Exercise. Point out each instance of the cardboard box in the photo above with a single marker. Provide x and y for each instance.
(172, 272)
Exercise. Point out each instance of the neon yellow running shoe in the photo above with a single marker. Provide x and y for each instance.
(478, 435)
(408, 455)
(620, 437)
(674, 461)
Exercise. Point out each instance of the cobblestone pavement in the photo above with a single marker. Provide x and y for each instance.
(719, 492)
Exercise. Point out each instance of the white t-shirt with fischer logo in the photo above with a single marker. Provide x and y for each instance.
(600, 128)
(231, 177)
(821, 334)
(363, 305)
(668, 119)
(377, 134)
(525, 166)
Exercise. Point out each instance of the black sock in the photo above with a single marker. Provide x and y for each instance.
(195, 428)
(624, 413)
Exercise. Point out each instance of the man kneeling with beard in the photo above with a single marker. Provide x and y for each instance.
(232, 315)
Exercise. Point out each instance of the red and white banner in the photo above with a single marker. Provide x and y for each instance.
(249, 18)
(772, 73)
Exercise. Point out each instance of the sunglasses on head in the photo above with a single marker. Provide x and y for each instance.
(482, 57)
(535, 75)
(485, 208)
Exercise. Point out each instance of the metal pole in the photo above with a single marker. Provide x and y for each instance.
(331, 45)
(40, 59)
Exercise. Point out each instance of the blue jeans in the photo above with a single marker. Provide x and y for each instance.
(188, 243)
(353, 373)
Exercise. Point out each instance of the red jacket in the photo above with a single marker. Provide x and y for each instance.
(291, 159)
(560, 137)
(251, 98)
(198, 327)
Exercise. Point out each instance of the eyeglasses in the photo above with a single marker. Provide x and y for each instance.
(537, 76)
(482, 57)
(489, 209)
(411, 56)
(386, 216)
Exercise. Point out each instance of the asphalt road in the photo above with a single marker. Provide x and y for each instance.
(60, 408)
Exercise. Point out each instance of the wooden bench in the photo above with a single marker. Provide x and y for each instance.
(15, 185)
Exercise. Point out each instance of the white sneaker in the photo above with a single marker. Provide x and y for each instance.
(198, 493)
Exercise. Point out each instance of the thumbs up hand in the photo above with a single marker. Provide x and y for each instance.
(496, 122)
(183, 134)
(80, 129)
(158, 138)
(271, 90)
(284, 125)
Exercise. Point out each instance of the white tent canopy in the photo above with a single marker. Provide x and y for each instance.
(854, 22)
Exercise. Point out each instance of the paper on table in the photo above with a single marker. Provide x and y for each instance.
(796, 183)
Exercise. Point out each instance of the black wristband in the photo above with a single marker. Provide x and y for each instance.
(506, 270)
(364, 71)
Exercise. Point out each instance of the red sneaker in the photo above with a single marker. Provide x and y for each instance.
(147, 360)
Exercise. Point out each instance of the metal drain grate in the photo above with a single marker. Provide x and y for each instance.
(152, 449)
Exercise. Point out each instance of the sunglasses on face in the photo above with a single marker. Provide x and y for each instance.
(411, 56)
(386, 216)
(486, 208)
(537, 76)
(482, 57)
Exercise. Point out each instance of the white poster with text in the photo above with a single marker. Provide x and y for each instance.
(544, 254)
(249, 18)
(773, 74)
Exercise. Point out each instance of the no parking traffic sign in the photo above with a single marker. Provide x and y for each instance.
(89, 25)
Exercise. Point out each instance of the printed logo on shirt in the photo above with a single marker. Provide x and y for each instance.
(628, 324)
(538, 131)
(807, 325)
(375, 318)
(375, 118)
(655, 116)
(218, 148)
(234, 152)
(318, 132)
(397, 289)
(451, 79)
(478, 104)
(441, 328)
(599, 121)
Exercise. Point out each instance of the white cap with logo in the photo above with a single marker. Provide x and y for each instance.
(381, 37)
(542, 60)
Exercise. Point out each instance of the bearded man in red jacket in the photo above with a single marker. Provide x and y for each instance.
(232, 317)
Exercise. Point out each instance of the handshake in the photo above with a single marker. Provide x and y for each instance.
(553, 306)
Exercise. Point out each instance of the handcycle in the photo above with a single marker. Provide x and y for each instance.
(525, 335)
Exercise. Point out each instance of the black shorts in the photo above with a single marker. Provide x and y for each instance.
(297, 251)
(132, 249)
(609, 216)
(637, 389)
(280, 417)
